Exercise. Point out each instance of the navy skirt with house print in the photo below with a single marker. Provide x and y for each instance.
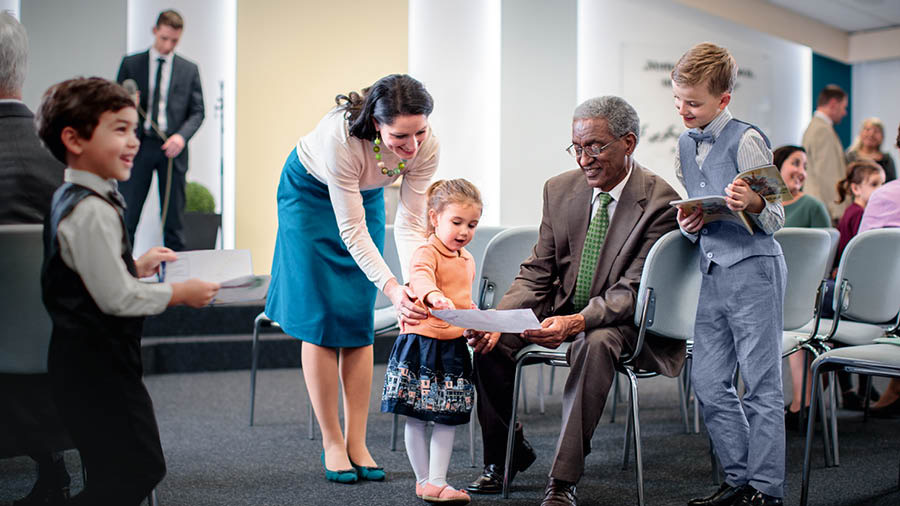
(429, 379)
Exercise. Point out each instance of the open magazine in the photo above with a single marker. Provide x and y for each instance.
(765, 180)
(231, 268)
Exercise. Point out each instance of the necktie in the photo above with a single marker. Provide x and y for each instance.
(702, 136)
(592, 242)
(154, 107)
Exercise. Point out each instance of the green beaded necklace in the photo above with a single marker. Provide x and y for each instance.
(384, 170)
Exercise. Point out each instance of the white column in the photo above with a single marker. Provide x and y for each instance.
(454, 49)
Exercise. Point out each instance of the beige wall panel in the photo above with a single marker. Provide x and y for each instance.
(293, 57)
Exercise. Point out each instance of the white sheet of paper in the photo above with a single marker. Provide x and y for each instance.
(231, 268)
(216, 265)
(510, 320)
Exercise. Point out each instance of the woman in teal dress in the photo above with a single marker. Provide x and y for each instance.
(328, 265)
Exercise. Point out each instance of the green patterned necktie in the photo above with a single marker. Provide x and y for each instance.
(592, 242)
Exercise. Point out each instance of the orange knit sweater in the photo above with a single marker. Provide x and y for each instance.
(436, 268)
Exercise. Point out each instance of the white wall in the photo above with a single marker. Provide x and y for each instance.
(10, 5)
(61, 47)
(874, 85)
(454, 49)
(616, 39)
(209, 40)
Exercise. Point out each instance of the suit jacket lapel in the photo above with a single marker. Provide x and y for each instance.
(578, 215)
(629, 209)
(142, 74)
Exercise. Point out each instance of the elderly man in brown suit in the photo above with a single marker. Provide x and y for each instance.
(582, 282)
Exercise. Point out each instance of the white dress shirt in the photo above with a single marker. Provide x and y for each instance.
(90, 243)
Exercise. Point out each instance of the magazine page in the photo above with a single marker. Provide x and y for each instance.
(767, 182)
(714, 209)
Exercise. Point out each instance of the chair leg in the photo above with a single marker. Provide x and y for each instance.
(254, 358)
(472, 442)
(810, 429)
(552, 375)
(806, 363)
(615, 397)
(394, 432)
(682, 403)
(524, 394)
(510, 434)
(834, 431)
(310, 421)
(829, 462)
(151, 499)
(626, 445)
(868, 393)
(638, 454)
(540, 387)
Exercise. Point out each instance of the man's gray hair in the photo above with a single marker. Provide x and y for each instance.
(620, 117)
(13, 55)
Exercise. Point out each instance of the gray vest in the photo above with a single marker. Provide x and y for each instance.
(723, 243)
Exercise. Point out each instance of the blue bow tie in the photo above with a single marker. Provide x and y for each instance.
(701, 137)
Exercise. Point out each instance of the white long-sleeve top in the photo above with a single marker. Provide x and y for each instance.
(347, 165)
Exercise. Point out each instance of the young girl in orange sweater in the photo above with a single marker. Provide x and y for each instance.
(429, 374)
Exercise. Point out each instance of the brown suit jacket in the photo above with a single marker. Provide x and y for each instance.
(546, 280)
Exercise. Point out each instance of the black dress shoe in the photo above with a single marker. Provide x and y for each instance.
(851, 401)
(792, 419)
(491, 479)
(559, 493)
(757, 498)
(725, 496)
(888, 411)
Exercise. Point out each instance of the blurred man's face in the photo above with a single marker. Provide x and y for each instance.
(166, 38)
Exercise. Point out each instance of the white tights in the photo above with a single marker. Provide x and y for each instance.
(434, 469)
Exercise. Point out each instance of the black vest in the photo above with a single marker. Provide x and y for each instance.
(71, 307)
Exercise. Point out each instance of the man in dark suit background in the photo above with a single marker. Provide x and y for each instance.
(29, 175)
(171, 95)
(588, 302)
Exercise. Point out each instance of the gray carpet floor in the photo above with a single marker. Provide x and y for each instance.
(215, 458)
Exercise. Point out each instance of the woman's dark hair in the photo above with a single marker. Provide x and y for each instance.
(857, 172)
(389, 97)
(783, 153)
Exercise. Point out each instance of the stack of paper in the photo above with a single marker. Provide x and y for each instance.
(231, 268)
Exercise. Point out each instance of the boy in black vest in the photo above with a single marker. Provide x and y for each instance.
(92, 292)
(740, 313)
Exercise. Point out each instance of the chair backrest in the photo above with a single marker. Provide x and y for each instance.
(671, 280)
(806, 253)
(25, 332)
(392, 258)
(871, 266)
(835, 239)
(477, 247)
(502, 258)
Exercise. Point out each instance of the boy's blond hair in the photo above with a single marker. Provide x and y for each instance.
(707, 62)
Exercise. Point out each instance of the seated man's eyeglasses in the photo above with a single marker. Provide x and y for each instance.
(592, 150)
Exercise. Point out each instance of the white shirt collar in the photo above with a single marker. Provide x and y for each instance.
(824, 117)
(718, 123)
(154, 54)
(90, 180)
(10, 101)
(616, 192)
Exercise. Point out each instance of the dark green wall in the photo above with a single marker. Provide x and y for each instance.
(826, 71)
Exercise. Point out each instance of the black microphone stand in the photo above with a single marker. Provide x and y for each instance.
(220, 112)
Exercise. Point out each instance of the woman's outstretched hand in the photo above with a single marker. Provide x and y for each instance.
(404, 301)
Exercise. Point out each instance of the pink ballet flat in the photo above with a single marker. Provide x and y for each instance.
(445, 495)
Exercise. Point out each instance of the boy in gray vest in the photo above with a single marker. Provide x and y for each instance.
(739, 317)
(92, 292)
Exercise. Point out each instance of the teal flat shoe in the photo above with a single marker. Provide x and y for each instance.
(369, 473)
(340, 476)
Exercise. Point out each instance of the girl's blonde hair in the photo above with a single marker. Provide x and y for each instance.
(857, 142)
(857, 172)
(450, 191)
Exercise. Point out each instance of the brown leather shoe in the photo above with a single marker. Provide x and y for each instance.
(559, 493)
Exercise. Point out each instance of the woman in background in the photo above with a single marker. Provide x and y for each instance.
(867, 146)
(801, 210)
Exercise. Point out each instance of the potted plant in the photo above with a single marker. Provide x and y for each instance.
(201, 222)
